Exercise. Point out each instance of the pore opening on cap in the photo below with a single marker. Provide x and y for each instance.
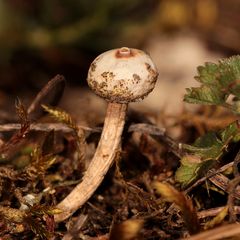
(124, 52)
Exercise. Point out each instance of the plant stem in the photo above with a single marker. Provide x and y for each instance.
(104, 156)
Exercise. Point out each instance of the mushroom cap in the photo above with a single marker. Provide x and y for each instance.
(122, 75)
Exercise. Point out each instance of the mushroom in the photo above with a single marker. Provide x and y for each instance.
(119, 76)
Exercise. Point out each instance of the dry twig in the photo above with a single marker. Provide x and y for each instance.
(217, 233)
(232, 187)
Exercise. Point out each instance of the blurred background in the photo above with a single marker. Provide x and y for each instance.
(42, 38)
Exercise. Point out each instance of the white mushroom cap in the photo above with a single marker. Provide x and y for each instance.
(122, 75)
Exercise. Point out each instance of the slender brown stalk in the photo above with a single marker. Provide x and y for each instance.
(104, 156)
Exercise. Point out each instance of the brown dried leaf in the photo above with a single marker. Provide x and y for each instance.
(170, 194)
(217, 219)
(126, 230)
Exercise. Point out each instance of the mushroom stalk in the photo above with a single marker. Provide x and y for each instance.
(103, 158)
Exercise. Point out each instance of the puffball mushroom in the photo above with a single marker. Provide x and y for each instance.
(119, 76)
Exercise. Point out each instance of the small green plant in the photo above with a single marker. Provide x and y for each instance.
(220, 86)
(218, 82)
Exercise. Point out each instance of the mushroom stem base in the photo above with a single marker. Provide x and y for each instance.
(102, 160)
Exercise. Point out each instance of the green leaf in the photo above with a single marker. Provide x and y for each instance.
(207, 147)
(218, 81)
(229, 72)
(208, 95)
(187, 172)
(204, 152)
(191, 169)
(231, 132)
(207, 74)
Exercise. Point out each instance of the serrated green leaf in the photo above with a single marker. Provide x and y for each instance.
(212, 144)
(208, 95)
(232, 132)
(229, 71)
(207, 74)
(187, 172)
(207, 147)
(204, 153)
(191, 169)
(218, 81)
